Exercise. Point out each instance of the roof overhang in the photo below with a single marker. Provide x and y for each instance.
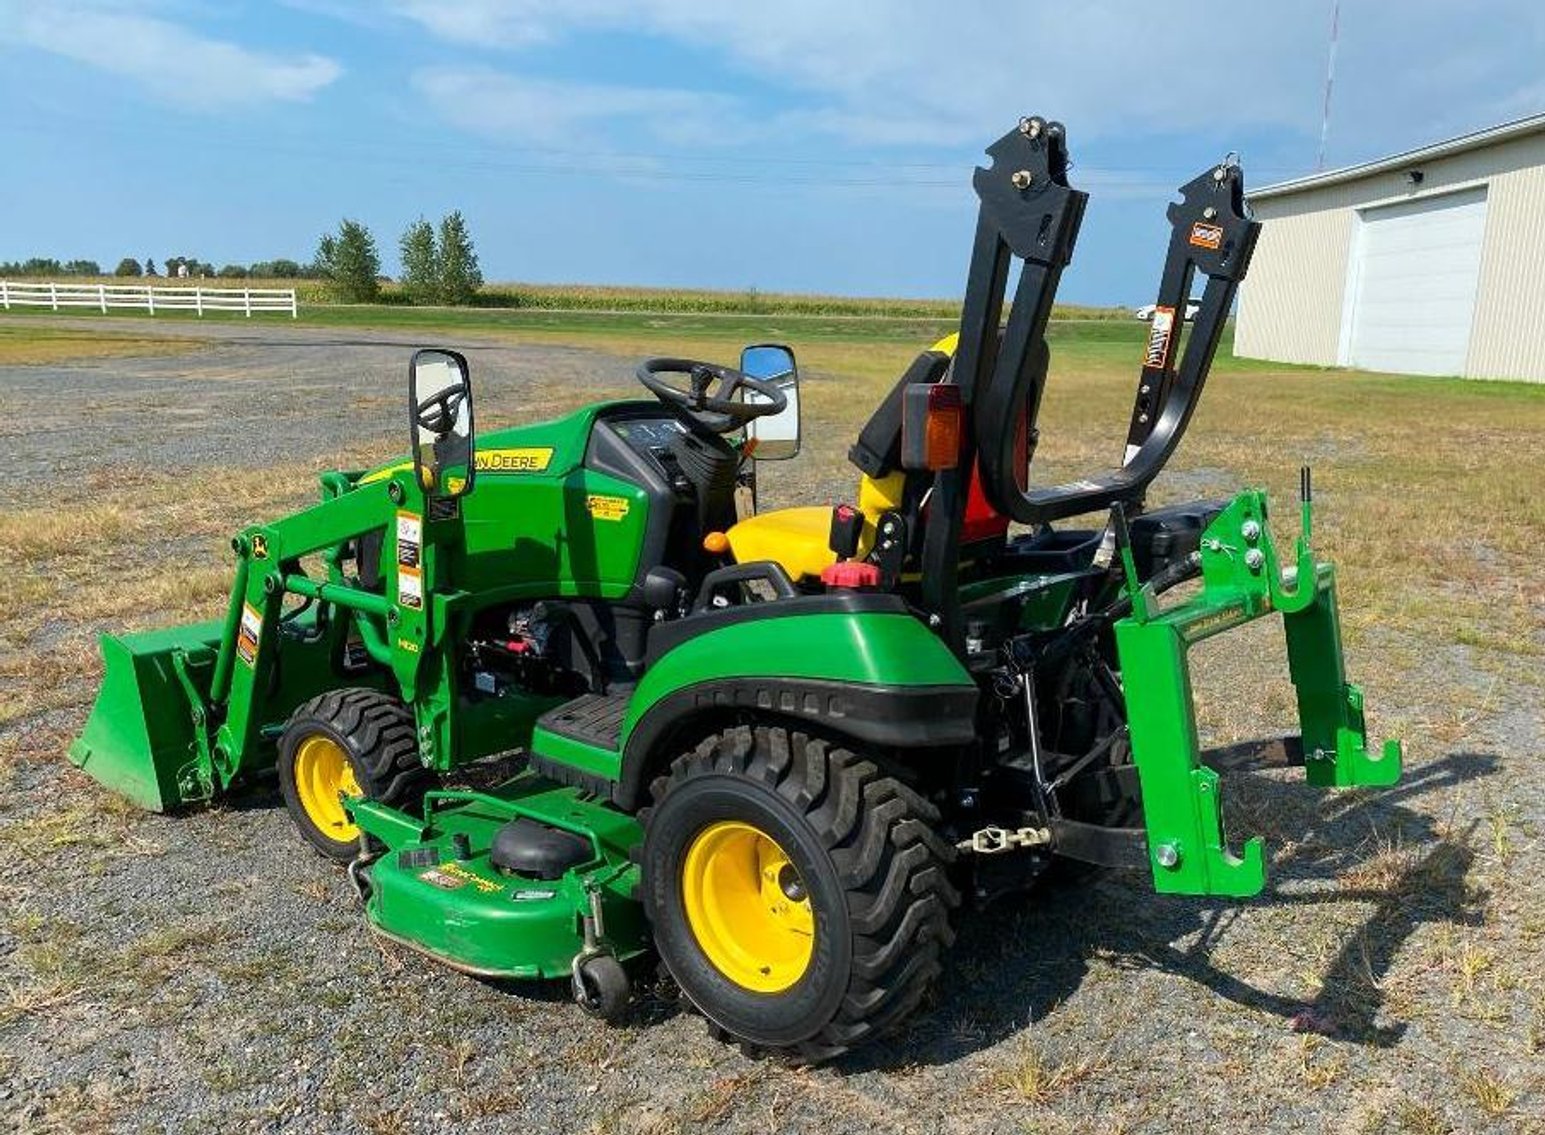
(1489, 137)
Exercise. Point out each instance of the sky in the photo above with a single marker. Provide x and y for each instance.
(808, 145)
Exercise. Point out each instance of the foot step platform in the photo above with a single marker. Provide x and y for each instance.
(591, 719)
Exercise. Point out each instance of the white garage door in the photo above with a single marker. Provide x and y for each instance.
(1413, 276)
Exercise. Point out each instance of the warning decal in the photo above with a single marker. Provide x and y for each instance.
(1159, 336)
(410, 587)
(1206, 236)
(249, 634)
(410, 539)
(606, 508)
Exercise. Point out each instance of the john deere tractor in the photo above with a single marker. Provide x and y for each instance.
(775, 748)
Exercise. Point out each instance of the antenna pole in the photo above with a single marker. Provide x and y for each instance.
(1330, 81)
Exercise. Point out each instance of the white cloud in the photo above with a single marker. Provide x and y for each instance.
(911, 71)
(564, 115)
(171, 61)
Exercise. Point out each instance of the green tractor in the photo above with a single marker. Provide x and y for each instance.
(776, 748)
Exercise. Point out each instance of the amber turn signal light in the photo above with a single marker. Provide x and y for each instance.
(932, 417)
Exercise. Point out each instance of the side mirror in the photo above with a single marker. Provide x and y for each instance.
(775, 437)
(440, 418)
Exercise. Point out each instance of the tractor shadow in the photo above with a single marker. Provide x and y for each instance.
(1017, 961)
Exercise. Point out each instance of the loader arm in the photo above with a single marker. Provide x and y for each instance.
(184, 711)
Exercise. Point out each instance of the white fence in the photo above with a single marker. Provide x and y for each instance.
(146, 298)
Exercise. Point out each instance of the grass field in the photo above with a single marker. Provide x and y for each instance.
(205, 970)
(26, 344)
(613, 299)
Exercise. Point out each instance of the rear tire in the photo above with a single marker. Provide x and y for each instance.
(755, 824)
(357, 742)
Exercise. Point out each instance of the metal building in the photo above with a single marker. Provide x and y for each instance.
(1427, 262)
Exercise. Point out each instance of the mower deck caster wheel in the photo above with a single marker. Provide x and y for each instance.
(601, 987)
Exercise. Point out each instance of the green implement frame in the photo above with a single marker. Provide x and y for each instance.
(1242, 579)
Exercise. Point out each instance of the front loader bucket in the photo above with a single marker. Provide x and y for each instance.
(145, 736)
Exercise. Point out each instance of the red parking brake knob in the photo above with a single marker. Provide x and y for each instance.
(852, 574)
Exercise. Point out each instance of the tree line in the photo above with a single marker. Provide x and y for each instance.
(439, 264)
(129, 266)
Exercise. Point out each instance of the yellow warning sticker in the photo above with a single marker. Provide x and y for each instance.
(532, 459)
(607, 508)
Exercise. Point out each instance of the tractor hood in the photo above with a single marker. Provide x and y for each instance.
(553, 447)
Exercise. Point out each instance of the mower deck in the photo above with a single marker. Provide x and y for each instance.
(439, 887)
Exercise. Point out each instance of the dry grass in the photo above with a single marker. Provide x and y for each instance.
(1037, 1078)
(27, 345)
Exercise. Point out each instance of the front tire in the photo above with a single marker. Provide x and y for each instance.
(798, 895)
(349, 743)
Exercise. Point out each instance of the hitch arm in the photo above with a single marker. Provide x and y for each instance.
(1242, 580)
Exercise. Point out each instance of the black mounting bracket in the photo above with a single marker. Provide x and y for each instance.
(1028, 213)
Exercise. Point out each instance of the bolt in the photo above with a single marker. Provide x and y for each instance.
(1254, 559)
(1030, 127)
(1143, 389)
(1022, 179)
(1142, 417)
(1219, 174)
(1167, 855)
(1250, 530)
(792, 886)
(1209, 213)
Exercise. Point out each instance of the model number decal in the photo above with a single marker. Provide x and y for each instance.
(449, 876)
(607, 508)
(1159, 335)
(1206, 236)
(529, 460)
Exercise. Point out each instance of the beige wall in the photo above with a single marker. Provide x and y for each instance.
(1291, 302)
(1508, 340)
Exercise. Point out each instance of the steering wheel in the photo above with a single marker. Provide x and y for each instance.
(437, 413)
(720, 412)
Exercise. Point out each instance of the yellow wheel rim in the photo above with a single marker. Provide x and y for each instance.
(322, 771)
(747, 907)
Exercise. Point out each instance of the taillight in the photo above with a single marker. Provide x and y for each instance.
(931, 423)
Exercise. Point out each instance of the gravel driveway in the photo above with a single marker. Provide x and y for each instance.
(207, 972)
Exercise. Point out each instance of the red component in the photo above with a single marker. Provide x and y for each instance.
(846, 511)
(853, 574)
(516, 646)
(980, 521)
